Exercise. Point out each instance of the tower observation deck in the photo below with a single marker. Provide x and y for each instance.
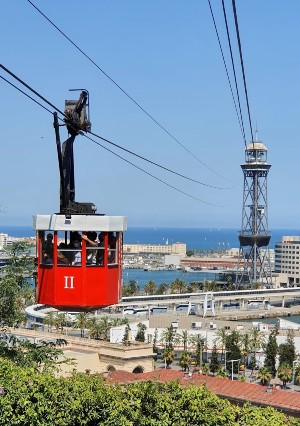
(254, 259)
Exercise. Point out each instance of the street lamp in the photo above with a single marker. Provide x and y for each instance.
(232, 361)
(293, 379)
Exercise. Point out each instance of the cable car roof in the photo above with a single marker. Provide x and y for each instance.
(61, 222)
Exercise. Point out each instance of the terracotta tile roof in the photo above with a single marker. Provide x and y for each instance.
(285, 400)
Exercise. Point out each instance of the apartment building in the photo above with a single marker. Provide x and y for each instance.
(287, 260)
(5, 240)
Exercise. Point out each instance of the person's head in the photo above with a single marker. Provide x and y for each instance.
(49, 237)
(92, 235)
(76, 243)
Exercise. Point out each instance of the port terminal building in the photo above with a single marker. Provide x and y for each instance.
(176, 248)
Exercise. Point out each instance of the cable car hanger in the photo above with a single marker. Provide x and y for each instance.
(76, 118)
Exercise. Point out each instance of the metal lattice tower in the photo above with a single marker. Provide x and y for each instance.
(254, 259)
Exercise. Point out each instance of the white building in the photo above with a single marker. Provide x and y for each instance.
(287, 261)
(177, 248)
(5, 240)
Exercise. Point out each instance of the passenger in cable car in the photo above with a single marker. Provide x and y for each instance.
(75, 248)
(62, 256)
(112, 242)
(100, 251)
(46, 260)
(47, 246)
(90, 239)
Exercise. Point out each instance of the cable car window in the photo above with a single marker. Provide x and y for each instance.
(46, 244)
(68, 248)
(112, 248)
(95, 248)
(91, 243)
(75, 250)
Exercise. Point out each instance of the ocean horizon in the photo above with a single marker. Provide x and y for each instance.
(194, 238)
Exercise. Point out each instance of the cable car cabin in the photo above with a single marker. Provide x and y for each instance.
(79, 260)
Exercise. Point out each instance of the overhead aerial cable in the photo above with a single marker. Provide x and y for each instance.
(238, 111)
(234, 73)
(124, 91)
(83, 134)
(242, 64)
(104, 139)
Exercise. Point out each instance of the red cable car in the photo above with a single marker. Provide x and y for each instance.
(79, 252)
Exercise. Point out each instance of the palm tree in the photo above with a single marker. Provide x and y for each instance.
(163, 288)
(95, 328)
(118, 321)
(264, 375)
(167, 337)
(245, 348)
(178, 286)
(193, 287)
(185, 361)
(168, 356)
(285, 373)
(220, 340)
(60, 321)
(257, 340)
(182, 337)
(49, 320)
(106, 325)
(199, 342)
(150, 288)
(82, 322)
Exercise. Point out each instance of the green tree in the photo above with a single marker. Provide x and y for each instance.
(190, 253)
(130, 289)
(257, 340)
(140, 336)
(245, 348)
(167, 337)
(233, 350)
(43, 356)
(200, 345)
(49, 320)
(214, 364)
(271, 351)
(82, 322)
(287, 350)
(178, 286)
(95, 328)
(182, 338)
(126, 338)
(31, 398)
(168, 356)
(222, 373)
(193, 287)
(60, 321)
(185, 360)
(220, 340)
(150, 288)
(163, 288)
(285, 373)
(14, 287)
(264, 375)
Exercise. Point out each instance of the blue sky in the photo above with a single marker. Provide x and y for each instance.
(166, 56)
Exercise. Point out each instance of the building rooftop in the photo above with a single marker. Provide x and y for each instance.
(235, 391)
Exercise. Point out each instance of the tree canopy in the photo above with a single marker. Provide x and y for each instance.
(29, 398)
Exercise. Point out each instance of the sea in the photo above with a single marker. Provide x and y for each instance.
(195, 238)
(217, 239)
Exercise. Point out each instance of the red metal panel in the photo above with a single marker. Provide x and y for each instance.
(79, 288)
